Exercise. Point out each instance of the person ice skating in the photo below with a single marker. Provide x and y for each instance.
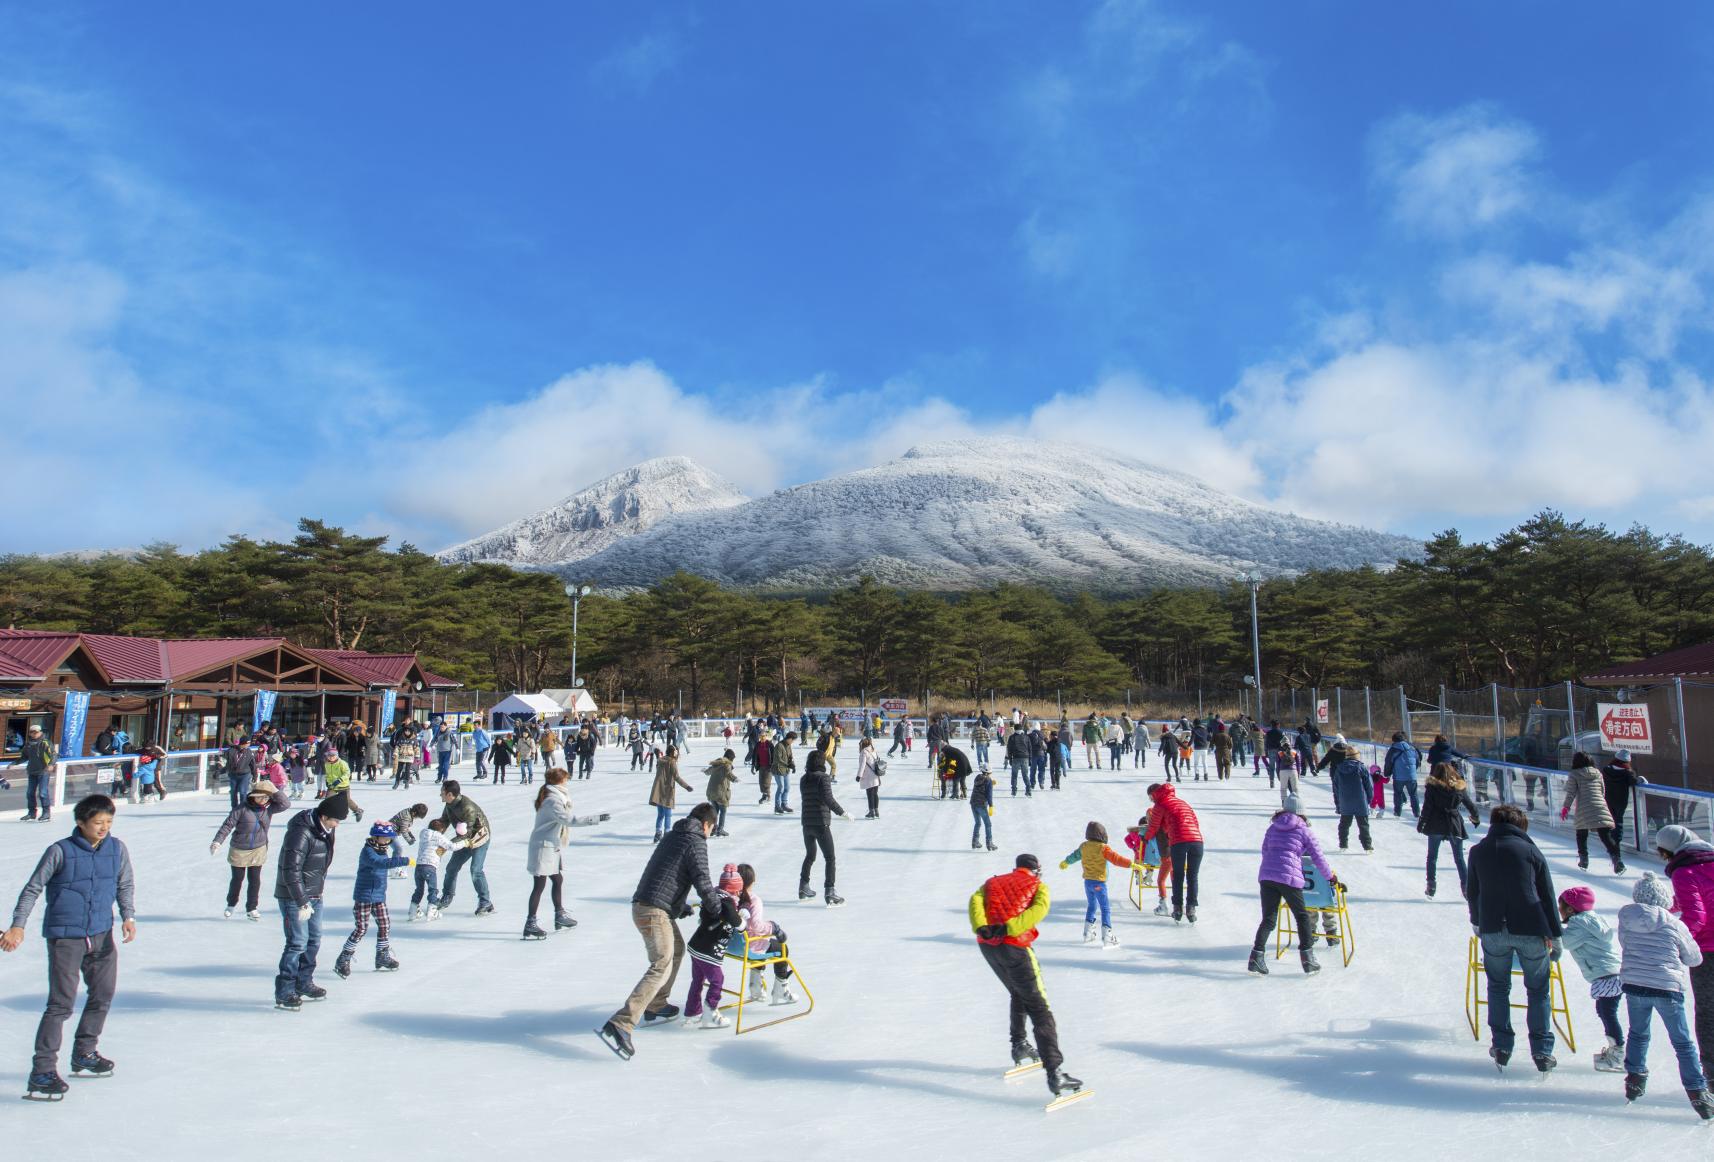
(1181, 834)
(1656, 948)
(954, 771)
(1618, 781)
(437, 840)
(404, 826)
(1585, 793)
(587, 740)
(1353, 791)
(500, 755)
(1400, 766)
(480, 741)
(1690, 867)
(1287, 843)
(1057, 759)
(552, 831)
(707, 947)
(369, 900)
(764, 939)
(298, 885)
(149, 777)
(1091, 735)
(469, 823)
(721, 779)
(526, 753)
(678, 863)
(551, 750)
(783, 765)
(1004, 913)
(248, 828)
(1094, 854)
(83, 876)
(1017, 760)
(663, 792)
(819, 807)
(1595, 947)
(240, 772)
(337, 774)
(1443, 798)
(1512, 909)
(1221, 744)
(982, 809)
(870, 767)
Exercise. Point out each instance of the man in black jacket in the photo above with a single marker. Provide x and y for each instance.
(1018, 759)
(819, 806)
(679, 863)
(1513, 909)
(240, 772)
(304, 856)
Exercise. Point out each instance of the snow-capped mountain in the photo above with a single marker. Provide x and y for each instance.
(967, 514)
(624, 504)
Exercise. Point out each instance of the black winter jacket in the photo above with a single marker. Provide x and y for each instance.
(817, 806)
(982, 792)
(1018, 746)
(304, 856)
(1510, 887)
(679, 863)
(954, 763)
(1443, 811)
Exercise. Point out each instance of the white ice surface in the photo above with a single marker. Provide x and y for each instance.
(482, 1044)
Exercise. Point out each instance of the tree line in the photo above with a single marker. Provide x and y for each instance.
(1544, 602)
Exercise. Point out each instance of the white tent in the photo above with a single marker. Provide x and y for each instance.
(525, 705)
(578, 701)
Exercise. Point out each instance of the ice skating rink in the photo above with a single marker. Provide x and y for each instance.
(482, 1044)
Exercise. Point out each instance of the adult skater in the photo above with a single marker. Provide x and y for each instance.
(1585, 793)
(248, 827)
(240, 773)
(955, 770)
(721, 779)
(819, 807)
(1690, 867)
(1018, 761)
(1004, 913)
(1513, 910)
(84, 875)
(1178, 827)
(869, 769)
(663, 793)
(783, 764)
(1618, 781)
(1168, 744)
(470, 823)
(587, 741)
(554, 821)
(1287, 842)
(1443, 799)
(1353, 790)
(1400, 766)
(298, 885)
(679, 863)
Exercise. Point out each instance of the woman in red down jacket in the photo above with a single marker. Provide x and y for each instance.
(1184, 840)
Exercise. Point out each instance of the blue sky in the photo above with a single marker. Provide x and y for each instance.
(421, 269)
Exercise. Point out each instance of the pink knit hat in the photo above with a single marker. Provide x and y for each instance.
(733, 884)
(1578, 899)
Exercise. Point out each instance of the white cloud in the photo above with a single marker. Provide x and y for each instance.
(1457, 172)
(636, 65)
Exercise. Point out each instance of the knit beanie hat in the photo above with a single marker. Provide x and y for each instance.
(730, 881)
(1578, 899)
(1672, 839)
(1651, 889)
(335, 806)
(1294, 804)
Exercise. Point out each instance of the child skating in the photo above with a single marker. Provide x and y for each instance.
(370, 899)
(1095, 855)
(764, 938)
(1656, 950)
(1595, 947)
(430, 851)
(707, 946)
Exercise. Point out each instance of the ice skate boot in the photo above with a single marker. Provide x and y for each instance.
(533, 931)
(714, 1019)
(563, 920)
(1635, 1084)
(91, 1063)
(1163, 908)
(49, 1086)
(1306, 956)
(805, 892)
(342, 966)
(1089, 932)
(758, 986)
(1258, 962)
(1611, 1059)
(1108, 940)
(783, 994)
(1702, 1102)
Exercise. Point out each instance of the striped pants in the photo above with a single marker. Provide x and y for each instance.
(360, 914)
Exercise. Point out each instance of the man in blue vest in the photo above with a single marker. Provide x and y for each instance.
(84, 875)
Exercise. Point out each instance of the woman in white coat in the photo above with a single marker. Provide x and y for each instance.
(554, 821)
(869, 776)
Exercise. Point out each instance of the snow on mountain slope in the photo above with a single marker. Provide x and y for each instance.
(588, 521)
(967, 514)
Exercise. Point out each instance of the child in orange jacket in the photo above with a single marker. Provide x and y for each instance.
(1095, 855)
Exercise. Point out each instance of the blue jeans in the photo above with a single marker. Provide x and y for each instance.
(1640, 1005)
(1038, 769)
(663, 818)
(428, 884)
(1402, 788)
(1095, 892)
(303, 941)
(720, 817)
(1021, 769)
(782, 790)
(481, 764)
(983, 823)
(981, 754)
(1498, 949)
(1457, 846)
(443, 762)
(397, 847)
(475, 857)
(39, 789)
(239, 786)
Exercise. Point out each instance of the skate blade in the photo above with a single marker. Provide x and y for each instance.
(1021, 1070)
(617, 1052)
(1066, 1099)
(46, 1097)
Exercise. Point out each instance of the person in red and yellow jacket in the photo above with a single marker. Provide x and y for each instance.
(1004, 913)
(1183, 838)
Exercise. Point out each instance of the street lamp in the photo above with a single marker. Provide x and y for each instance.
(577, 593)
(1254, 581)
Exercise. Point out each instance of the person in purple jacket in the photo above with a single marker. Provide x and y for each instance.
(1284, 847)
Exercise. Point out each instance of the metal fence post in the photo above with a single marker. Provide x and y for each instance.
(1499, 726)
(1683, 734)
(1571, 713)
(1404, 717)
(1315, 705)
(1454, 733)
(1339, 708)
(1368, 715)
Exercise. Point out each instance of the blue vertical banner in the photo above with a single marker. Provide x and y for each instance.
(72, 724)
(264, 711)
(389, 706)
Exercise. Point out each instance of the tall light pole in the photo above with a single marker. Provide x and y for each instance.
(1254, 581)
(577, 593)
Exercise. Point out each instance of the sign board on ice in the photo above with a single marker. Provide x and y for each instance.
(895, 705)
(1625, 727)
(1321, 712)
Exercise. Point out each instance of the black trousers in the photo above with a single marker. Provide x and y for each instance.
(1272, 893)
(1608, 841)
(814, 837)
(1362, 831)
(1186, 872)
(874, 794)
(1019, 971)
(253, 896)
(1702, 988)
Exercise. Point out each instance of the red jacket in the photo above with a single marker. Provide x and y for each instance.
(1174, 816)
(1018, 899)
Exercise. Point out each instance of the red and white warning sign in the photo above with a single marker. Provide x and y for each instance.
(1625, 727)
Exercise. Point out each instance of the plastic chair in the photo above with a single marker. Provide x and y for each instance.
(1322, 899)
(1476, 995)
(752, 952)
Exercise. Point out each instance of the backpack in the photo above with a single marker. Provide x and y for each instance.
(880, 767)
